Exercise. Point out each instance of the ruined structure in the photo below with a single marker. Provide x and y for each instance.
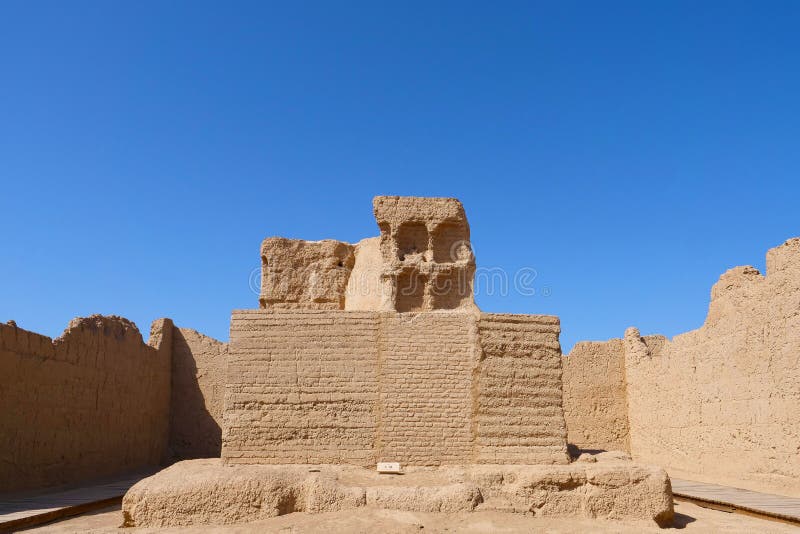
(422, 261)
(97, 401)
(719, 404)
(91, 403)
(376, 352)
(427, 261)
(333, 369)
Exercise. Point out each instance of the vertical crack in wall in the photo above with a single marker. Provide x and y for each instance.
(380, 343)
(478, 357)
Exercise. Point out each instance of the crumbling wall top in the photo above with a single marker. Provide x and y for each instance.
(428, 210)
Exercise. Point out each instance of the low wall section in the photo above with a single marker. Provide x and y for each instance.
(91, 403)
(595, 398)
(718, 404)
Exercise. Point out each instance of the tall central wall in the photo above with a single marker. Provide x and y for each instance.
(433, 388)
(426, 362)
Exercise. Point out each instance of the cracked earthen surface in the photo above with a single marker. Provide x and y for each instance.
(199, 492)
(305, 274)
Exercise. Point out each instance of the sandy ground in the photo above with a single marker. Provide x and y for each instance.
(689, 518)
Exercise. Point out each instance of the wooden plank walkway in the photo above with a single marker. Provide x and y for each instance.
(30, 509)
(779, 506)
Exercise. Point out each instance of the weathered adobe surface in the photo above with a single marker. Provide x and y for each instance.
(197, 395)
(310, 382)
(203, 492)
(595, 402)
(720, 403)
(428, 262)
(518, 414)
(93, 402)
(97, 401)
(364, 288)
(305, 274)
(422, 261)
(432, 388)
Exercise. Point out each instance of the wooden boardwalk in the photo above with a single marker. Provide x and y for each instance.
(29, 509)
(778, 506)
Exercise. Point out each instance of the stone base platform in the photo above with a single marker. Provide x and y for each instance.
(200, 492)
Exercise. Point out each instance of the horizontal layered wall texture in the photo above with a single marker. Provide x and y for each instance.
(91, 403)
(430, 388)
(302, 387)
(425, 366)
(519, 417)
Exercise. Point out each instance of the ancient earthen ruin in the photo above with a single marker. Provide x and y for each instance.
(376, 352)
(719, 404)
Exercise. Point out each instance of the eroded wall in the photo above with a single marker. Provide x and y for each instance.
(302, 387)
(595, 401)
(197, 395)
(91, 403)
(721, 403)
(427, 258)
(304, 274)
(519, 416)
(431, 388)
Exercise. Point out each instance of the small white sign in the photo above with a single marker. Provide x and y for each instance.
(389, 467)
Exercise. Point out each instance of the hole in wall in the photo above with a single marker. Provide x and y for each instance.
(412, 240)
(450, 242)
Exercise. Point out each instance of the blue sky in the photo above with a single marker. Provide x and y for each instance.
(629, 152)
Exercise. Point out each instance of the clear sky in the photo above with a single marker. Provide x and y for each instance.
(628, 152)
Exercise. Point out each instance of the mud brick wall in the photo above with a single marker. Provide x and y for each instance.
(722, 403)
(595, 401)
(519, 416)
(91, 403)
(432, 388)
(198, 389)
(718, 404)
(302, 387)
(426, 366)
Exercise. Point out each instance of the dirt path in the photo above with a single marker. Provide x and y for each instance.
(689, 518)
